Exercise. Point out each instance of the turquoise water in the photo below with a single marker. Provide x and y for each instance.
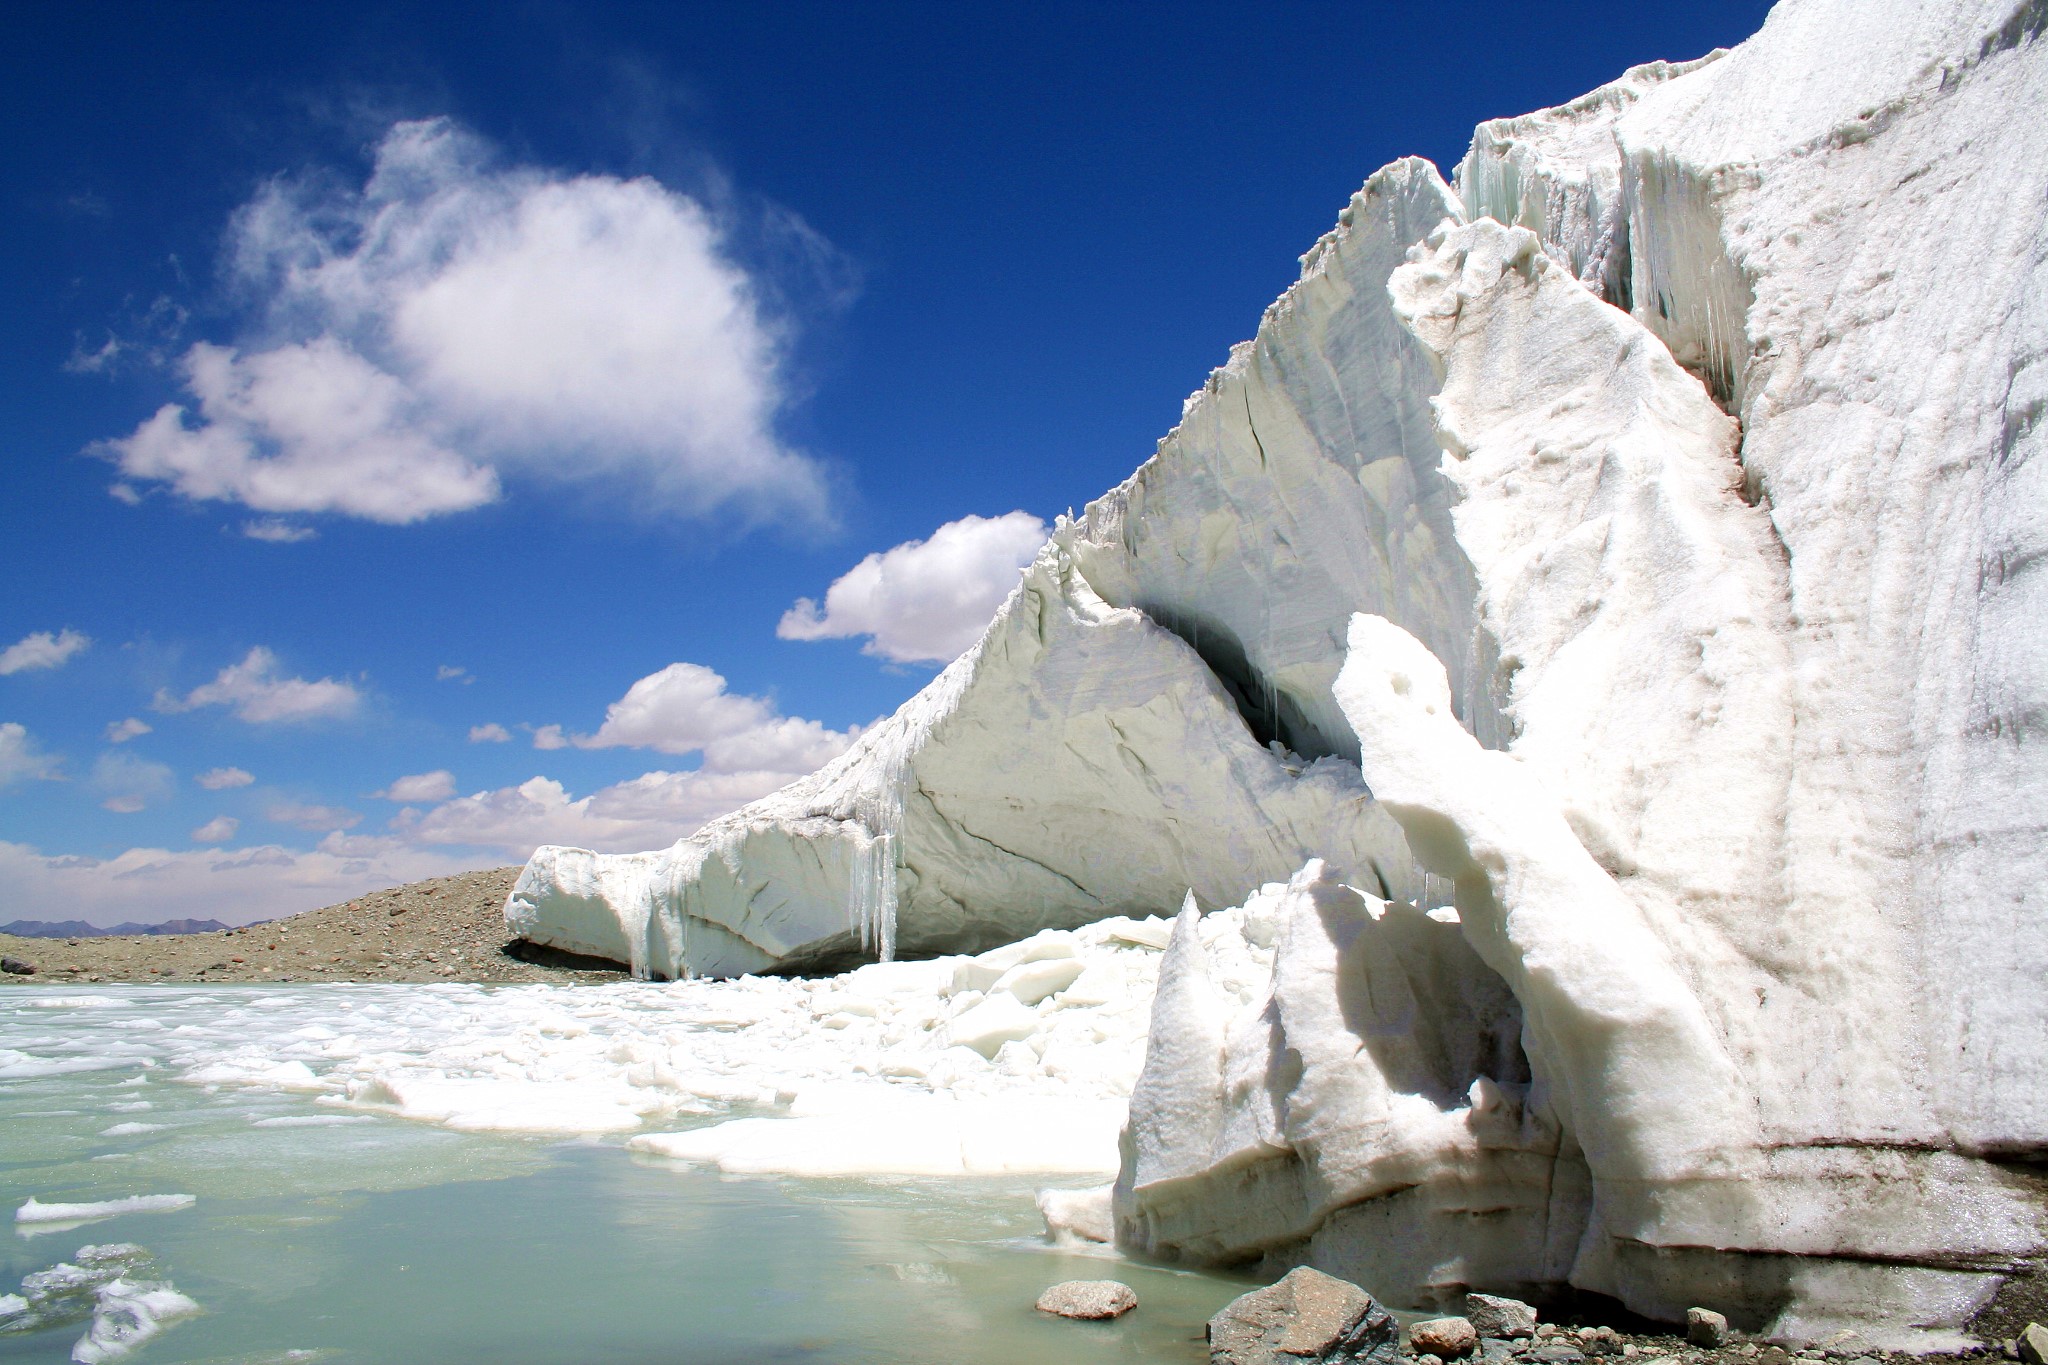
(375, 1239)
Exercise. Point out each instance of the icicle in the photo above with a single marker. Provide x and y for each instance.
(871, 898)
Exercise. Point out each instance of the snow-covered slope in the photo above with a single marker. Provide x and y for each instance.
(1671, 500)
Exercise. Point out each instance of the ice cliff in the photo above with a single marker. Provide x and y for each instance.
(1609, 594)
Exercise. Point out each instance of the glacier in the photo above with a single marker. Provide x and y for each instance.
(1594, 634)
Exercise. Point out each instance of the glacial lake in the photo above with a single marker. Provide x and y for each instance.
(322, 1232)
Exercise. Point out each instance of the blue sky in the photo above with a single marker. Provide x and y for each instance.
(376, 375)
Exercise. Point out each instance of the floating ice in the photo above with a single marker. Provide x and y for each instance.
(312, 1120)
(35, 1211)
(125, 1315)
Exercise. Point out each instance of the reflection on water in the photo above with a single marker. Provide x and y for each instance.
(396, 1241)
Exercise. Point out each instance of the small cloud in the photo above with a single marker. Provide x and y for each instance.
(492, 733)
(318, 819)
(121, 492)
(686, 708)
(924, 601)
(453, 673)
(21, 760)
(438, 785)
(129, 783)
(42, 650)
(220, 779)
(121, 731)
(652, 810)
(257, 695)
(218, 830)
(277, 531)
(98, 360)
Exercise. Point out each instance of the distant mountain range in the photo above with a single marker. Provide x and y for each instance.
(74, 928)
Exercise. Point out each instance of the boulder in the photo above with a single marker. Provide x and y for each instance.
(1705, 1327)
(1507, 1319)
(1305, 1316)
(1091, 1300)
(2033, 1344)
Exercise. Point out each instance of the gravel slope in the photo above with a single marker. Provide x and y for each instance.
(443, 929)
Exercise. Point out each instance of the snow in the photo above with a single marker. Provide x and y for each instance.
(1594, 628)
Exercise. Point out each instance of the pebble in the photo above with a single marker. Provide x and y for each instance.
(1446, 1338)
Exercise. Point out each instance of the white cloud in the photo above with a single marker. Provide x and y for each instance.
(277, 531)
(453, 320)
(492, 733)
(925, 601)
(685, 708)
(650, 811)
(260, 697)
(41, 650)
(453, 673)
(219, 779)
(130, 783)
(121, 731)
(319, 819)
(218, 830)
(438, 785)
(147, 885)
(21, 759)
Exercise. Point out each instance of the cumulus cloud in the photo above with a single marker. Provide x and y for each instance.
(218, 830)
(685, 708)
(318, 819)
(455, 321)
(925, 601)
(21, 759)
(438, 785)
(492, 733)
(650, 811)
(129, 783)
(41, 650)
(149, 885)
(257, 695)
(121, 731)
(220, 779)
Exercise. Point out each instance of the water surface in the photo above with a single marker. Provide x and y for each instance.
(347, 1236)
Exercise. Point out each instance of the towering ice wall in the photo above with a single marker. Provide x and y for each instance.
(1640, 549)
(1150, 711)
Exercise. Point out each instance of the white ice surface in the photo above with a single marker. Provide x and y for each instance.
(890, 1069)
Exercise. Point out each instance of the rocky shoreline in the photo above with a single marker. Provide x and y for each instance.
(441, 929)
(1310, 1318)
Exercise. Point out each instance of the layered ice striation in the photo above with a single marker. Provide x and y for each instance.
(1607, 599)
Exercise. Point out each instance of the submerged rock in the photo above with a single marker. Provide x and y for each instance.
(1088, 1299)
